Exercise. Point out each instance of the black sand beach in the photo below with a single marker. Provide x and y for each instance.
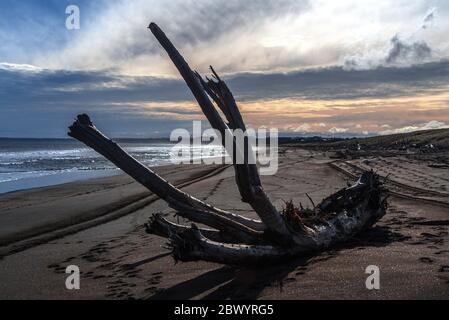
(98, 226)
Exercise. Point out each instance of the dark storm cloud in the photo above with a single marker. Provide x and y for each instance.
(44, 102)
(21, 88)
(401, 51)
(24, 88)
(340, 83)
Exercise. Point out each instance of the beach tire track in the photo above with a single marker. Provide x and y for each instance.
(135, 204)
(395, 188)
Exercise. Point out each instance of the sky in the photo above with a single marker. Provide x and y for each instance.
(325, 67)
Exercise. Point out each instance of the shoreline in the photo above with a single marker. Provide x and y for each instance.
(56, 178)
(65, 177)
(27, 164)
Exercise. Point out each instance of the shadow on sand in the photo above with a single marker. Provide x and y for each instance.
(243, 283)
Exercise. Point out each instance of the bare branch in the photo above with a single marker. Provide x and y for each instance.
(162, 227)
(192, 245)
(248, 181)
(84, 130)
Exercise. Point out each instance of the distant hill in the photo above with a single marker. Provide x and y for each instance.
(419, 139)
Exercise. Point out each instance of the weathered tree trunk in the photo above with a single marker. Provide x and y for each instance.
(254, 195)
(236, 239)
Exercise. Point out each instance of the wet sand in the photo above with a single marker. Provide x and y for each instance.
(97, 226)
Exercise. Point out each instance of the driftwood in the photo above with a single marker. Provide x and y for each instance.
(234, 239)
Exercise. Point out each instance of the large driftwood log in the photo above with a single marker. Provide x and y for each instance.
(235, 239)
(254, 193)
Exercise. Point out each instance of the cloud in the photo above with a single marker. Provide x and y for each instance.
(203, 30)
(303, 128)
(302, 65)
(429, 18)
(399, 53)
(338, 130)
(311, 100)
(27, 85)
(233, 35)
(19, 67)
(431, 125)
(339, 83)
(402, 52)
(410, 48)
(37, 102)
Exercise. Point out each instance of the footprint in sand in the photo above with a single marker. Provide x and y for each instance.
(69, 260)
(152, 290)
(444, 269)
(289, 280)
(58, 269)
(301, 271)
(426, 260)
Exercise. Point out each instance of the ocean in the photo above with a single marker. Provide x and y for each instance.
(30, 163)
